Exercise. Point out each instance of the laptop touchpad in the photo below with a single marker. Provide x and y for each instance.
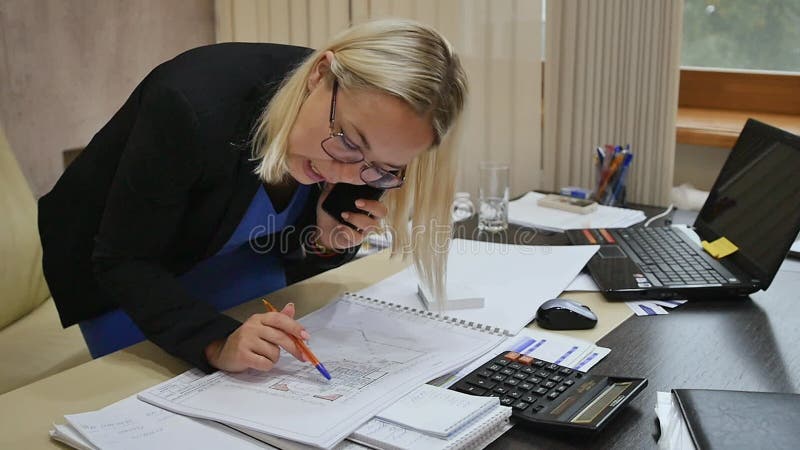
(611, 251)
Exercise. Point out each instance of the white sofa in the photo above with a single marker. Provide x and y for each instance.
(33, 344)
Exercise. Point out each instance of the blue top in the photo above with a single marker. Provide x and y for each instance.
(240, 272)
(237, 273)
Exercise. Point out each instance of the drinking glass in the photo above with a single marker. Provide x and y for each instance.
(493, 198)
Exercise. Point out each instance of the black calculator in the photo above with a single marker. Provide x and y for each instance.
(548, 395)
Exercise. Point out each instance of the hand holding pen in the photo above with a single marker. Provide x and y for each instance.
(308, 355)
(257, 343)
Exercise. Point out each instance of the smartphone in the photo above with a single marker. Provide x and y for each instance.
(343, 198)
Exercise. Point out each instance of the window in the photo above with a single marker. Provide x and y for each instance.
(740, 59)
(742, 34)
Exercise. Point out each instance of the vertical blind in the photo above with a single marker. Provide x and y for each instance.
(611, 77)
(308, 23)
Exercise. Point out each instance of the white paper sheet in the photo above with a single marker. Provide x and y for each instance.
(526, 211)
(131, 424)
(65, 434)
(674, 432)
(437, 411)
(583, 283)
(653, 307)
(789, 265)
(514, 280)
(376, 354)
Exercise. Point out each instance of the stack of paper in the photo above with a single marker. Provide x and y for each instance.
(674, 432)
(134, 424)
(435, 418)
(526, 211)
(429, 418)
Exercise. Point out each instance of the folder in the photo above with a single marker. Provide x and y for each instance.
(738, 419)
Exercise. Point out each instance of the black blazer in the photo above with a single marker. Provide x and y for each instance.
(159, 188)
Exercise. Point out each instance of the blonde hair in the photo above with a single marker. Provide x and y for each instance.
(415, 63)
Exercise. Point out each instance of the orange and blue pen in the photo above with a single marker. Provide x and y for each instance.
(303, 347)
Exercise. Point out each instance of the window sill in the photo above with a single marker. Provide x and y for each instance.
(720, 127)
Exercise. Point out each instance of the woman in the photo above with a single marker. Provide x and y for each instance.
(205, 189)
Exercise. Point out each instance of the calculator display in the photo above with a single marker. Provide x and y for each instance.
(610, 397)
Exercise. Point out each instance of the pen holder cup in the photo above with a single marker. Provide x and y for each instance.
(612, 164)
(610, 199)
(619, 200)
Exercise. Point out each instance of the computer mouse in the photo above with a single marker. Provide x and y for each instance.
(564, 314)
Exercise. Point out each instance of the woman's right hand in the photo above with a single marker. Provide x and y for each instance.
(257, 342)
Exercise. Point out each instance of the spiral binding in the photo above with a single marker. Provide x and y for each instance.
(483, 435)
(435, 316)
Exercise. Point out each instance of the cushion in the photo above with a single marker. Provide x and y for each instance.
(36, 347)
(22, 284)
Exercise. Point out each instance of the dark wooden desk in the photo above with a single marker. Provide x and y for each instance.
(738, 345)
(517, 234)
(751, 344)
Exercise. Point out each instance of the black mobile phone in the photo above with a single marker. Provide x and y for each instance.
(343, 198)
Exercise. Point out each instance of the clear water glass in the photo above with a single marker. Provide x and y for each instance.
(494, 193)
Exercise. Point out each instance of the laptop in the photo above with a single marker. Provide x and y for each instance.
(754, 203)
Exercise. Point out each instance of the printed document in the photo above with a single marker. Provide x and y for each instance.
(376, 353)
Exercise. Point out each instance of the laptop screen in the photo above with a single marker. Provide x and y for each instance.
(755, 201)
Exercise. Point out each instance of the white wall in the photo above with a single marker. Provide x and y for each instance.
(698, 166)
(67, 66)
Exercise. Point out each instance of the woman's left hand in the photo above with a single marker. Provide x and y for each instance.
(335, 235)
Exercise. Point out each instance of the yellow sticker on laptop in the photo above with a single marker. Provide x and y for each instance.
(720, 248)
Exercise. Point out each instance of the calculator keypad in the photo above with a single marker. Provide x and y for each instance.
(550, 396)
(521, 382)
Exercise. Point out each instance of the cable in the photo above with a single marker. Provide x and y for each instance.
(667, 211)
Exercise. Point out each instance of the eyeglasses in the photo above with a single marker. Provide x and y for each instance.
(341, 149)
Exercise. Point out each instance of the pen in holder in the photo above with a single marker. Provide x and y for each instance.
(612, 163)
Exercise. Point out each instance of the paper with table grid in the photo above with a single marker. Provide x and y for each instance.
(376, 353)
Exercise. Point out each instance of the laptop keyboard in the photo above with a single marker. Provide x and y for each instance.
(665, 256)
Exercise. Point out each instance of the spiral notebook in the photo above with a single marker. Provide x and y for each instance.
(437, 411)
(473, 434)
(375, 351)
